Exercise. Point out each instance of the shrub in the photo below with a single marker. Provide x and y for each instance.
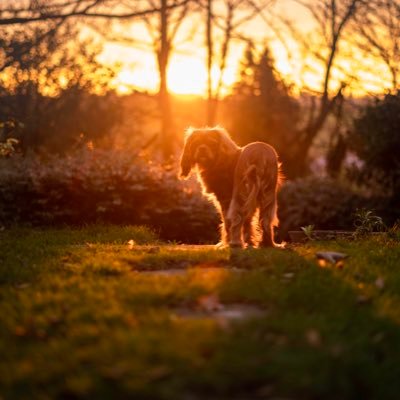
(326, 204)
(375, 136)
(376, 140)
(108, 187)
(113, 187)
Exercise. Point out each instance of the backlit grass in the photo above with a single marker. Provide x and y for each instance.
(82, 317)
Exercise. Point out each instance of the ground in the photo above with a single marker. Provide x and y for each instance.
(111, 312)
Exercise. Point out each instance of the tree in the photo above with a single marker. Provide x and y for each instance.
(23, 19)
(58, 97)
(376, 140)
(260, 105)
(331, 18)
(163, 33)
(236, 14)
(378, 35)
(51, 15)
(162, 26)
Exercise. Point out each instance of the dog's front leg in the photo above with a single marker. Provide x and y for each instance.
(226, 224)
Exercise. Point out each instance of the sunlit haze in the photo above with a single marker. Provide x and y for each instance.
(187, 72)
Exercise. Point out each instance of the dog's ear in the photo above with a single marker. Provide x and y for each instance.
(186, 158)
(186, 164)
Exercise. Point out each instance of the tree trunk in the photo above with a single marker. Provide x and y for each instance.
(209, 45)
(164, 99)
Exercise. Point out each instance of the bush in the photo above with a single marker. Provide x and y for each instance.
(326, 204)
(113, 187)
(376, 137)
(108, 187)
(376, 140)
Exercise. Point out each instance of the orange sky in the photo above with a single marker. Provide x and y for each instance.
(187, 69)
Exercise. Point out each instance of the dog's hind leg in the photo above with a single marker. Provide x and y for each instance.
(268, 218)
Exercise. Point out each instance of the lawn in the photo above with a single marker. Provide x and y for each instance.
(111, 312)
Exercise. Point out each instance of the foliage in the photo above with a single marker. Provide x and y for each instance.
(58, 95)
(104, 186)
(365, 221)
(308, 231)
(376, 141)
(262, 109)
(80, 319)
(118, 187)
(7, 148)
(326, 204)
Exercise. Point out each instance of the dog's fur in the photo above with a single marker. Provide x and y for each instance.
(242, 179)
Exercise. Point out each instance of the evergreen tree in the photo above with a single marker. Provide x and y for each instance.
(262, 109)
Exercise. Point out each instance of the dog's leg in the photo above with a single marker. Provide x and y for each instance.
(268, 218)
(226, 221)
(225, 227)
(236, 220)
(248, 232)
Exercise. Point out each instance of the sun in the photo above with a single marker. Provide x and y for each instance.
(186, 76)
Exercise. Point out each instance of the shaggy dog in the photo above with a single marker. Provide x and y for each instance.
(243, 180)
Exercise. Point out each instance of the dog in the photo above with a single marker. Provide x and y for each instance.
(244, 181)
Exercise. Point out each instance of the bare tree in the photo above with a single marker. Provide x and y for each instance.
(332, 19)
(14, 12)
(22, 20)
(162, 27)
(236, 13)
(162, 17)
(377, 29)
(163, 30)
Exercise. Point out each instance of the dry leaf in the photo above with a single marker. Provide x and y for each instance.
(313, 338)
(331, 257)
(209, 303)
(380, 283)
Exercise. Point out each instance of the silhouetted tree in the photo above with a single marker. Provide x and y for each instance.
(261, 107)
(331, 20)
(58, 96)
(377, 34)
(229, 22)
(376, 140)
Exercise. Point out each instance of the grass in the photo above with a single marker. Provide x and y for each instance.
(82, 317)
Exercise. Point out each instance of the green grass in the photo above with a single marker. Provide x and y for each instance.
(81, 317)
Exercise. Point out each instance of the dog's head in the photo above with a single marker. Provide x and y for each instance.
(202, 147)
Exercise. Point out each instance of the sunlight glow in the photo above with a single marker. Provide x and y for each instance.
(186, 76)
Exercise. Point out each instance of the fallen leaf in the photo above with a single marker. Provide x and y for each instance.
(363, 299)
(288, 275)
(20, 331)
(331, 257)
(313, 338)
(380, 283)
(209, 303)
(23, 285)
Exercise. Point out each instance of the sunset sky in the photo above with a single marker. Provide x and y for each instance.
(187, 69)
